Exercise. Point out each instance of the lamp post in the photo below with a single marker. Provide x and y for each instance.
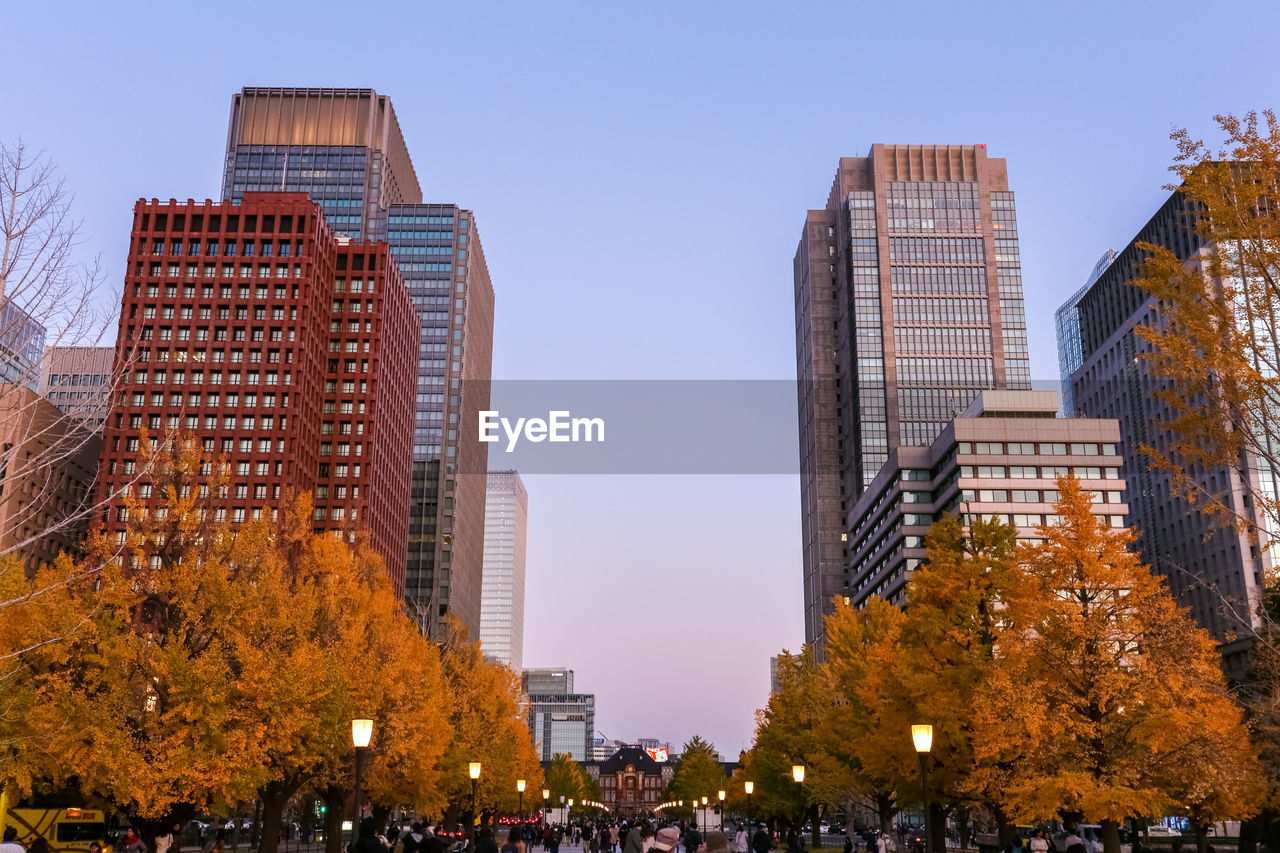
(797, 773)
(720, 795)
(922, 737)
(750, 788)
(704, 817)
(520, 790)
(473, 770)
(546, 795)
(361, 734)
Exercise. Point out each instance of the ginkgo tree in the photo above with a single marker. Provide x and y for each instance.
(1130, 688)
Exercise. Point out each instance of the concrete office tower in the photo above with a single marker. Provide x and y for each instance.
(278, 345)
(1066, 321)
(1001, 457)
(908, 299)
(78, 380)
(342, 147)
(1218, 573)
(559, 719)
(502, 599)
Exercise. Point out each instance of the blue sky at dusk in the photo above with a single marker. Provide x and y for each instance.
(640, 173)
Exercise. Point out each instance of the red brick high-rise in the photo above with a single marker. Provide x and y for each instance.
(287, 350)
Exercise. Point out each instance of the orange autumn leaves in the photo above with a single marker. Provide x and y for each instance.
(226, 664)
(1059, 677)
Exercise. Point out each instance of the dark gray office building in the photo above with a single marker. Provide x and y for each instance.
(908, 300)
(1217, 572)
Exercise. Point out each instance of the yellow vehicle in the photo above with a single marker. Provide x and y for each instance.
(69, 830)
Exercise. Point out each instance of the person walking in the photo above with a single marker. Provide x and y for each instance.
(761, 842)
(10, 843)
(1040, 842)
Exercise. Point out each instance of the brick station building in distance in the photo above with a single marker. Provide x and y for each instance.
(286, 349)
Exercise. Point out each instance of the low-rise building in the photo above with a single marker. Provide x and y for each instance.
(1002, 457)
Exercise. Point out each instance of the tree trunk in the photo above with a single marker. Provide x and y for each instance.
(1201, 834)
(1110, 836)
(335, 803)
(255, 834)
(273, 797)
(937, 819)
(885, 811)
(814, 814)
(1248, 836)
(1006, 831)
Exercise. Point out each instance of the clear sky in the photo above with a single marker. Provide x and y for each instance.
(640, 172)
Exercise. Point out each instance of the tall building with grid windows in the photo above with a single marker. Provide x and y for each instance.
(278, 345)
(1217, 571)
(502, 598)
(908, 300)
(344, 148)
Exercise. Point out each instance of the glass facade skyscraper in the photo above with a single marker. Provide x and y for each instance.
(344, 148)
(502, 596)
(1066, 321)
(908, 299)
(560, 720)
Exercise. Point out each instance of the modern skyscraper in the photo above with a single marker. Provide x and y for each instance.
(1216, 571)
(78, 380)
(438, 249)
(344, 148)
(1001, 457)
(280, 346)
(502, 598)
(560, 720)
(1067, 322)
(908, 298)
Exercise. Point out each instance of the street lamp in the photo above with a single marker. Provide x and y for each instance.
(720, 795)
(546, 795)
(361, 734)
(750, 788)
(473, 770)
(797, 773)
(922, 737)
(704, 816)
(520, 789)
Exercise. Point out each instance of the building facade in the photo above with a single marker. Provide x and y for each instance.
(47, 465)
(344, 148)
(631, 781)
(908, 301)
(438, 250)
(560, 720)
(502, 599)
(1066, 322)
(279, 346)
(1002, 458)
(22, 340)
(1218, 573)
(78, 380)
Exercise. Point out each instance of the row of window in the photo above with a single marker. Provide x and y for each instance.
(1043, 448)
(75, 379)
(230, 249)
(1039, 472)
